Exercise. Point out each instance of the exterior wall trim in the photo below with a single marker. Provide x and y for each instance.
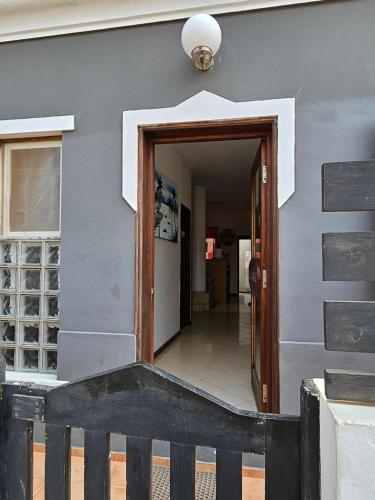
(205, 106)
(19, 21)
(36, 127)
(35, 378)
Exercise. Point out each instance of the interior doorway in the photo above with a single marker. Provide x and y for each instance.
(244, 258)
(263, 339)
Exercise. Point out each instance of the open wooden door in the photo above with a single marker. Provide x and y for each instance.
(258, 276)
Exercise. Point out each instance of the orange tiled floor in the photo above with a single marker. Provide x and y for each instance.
(253, 480)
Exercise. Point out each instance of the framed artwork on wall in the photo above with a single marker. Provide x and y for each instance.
(166, 209)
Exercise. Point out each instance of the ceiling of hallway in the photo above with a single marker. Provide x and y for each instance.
(224, 167)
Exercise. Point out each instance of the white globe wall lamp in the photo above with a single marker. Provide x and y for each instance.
(201, 39)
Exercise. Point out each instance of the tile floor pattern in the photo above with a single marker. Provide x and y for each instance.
(252, 481)
(205, 484)
(214, 353)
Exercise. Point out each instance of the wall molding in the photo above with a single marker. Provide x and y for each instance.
(22, 19)
(36, 127)
(206, 106)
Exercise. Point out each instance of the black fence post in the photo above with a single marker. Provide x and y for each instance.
(310, 441)
(282, 457)
(16, 448)
(2, 430)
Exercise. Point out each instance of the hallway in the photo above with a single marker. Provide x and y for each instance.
(214, 353)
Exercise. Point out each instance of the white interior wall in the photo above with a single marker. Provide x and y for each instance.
(169, 163)
(239, 221)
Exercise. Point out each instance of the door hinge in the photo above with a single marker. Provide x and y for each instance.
(264, 278)
(264, 174)
(152, 291)
(265, 393)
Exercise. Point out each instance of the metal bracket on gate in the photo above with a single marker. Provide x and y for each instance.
(28, 407)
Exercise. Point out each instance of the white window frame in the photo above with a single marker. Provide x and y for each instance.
(6, 189)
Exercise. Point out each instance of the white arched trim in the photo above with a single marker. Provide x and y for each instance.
(206, 106)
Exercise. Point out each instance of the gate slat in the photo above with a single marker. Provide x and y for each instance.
(57, 468)
(349, 256)
(138, 468)
(182, 472)
(310, 441)
(228, 475)
(283, 469)
(97, 465)
(20, 465)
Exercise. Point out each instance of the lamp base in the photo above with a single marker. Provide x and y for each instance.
(203, 58)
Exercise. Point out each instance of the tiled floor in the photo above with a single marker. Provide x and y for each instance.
(252, 479)
(214, 353)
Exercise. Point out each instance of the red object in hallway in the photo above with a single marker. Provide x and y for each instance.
(210, 248)
(211, 239)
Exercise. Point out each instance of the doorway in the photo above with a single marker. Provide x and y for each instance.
(244, 257)
(264, 337)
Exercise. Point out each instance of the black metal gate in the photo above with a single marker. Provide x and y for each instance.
(145, 403)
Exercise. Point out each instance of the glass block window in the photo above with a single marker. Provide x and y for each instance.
(29, 304)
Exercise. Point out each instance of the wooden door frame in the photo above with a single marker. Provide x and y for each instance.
(201, 131)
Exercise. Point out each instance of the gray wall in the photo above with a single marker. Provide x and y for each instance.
(323, 54)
